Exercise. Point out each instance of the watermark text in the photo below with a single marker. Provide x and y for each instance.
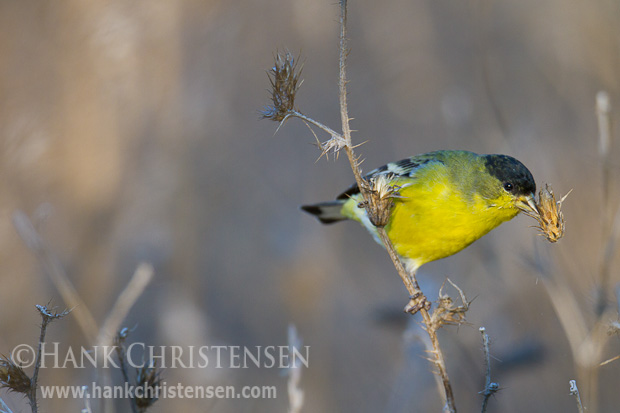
(220, 357)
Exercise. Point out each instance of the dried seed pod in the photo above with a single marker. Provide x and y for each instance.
(550, 218)
(13, 377)
(285, 82)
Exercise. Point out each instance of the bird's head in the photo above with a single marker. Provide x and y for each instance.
(512, 182)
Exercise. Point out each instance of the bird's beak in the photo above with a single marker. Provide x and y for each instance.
(527, 204)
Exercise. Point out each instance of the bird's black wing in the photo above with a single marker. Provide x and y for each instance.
(404, 168)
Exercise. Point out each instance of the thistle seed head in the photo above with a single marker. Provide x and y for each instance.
(285, 81)
(380, 201)
(148, 379)
(13, 377)
(549, 215)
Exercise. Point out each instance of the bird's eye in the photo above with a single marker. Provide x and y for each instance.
(508, 186)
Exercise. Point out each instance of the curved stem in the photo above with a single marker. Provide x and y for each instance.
(418, 300)
(411, 283)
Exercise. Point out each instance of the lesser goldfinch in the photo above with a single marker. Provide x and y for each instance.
(447, 200)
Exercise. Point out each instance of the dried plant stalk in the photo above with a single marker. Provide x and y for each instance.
(377, 194)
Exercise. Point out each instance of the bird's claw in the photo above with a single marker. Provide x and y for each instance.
(417, 302)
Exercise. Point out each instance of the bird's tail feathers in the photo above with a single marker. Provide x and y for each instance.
(327, 212)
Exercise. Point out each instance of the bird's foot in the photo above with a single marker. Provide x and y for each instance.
(417, 302)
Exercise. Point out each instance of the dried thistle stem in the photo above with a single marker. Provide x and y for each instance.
(377, 197)
(119, 345)
(410, 282)
(440, 363)
(344, 112)
(408, 279)
(418, 300)
(318, 124)
(47, 317)
(419, 303)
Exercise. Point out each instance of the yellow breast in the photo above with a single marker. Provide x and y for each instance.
(435, 220)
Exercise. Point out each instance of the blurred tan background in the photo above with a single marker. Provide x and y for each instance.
(130, 131)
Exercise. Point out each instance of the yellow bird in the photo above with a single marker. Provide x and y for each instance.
(448, 199)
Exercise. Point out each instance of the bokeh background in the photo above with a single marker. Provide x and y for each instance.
(130, 132)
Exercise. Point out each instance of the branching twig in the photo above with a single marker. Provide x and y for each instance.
(140, 279)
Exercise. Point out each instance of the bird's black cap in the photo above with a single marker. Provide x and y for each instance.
(514, 176)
